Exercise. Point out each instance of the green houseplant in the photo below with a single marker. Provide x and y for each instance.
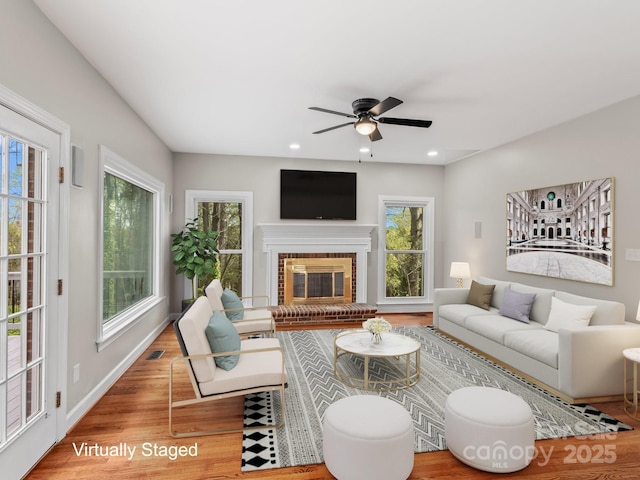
(194, 253)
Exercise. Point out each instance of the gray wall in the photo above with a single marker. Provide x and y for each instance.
(261, 175)
(598, 145)
(40, 65)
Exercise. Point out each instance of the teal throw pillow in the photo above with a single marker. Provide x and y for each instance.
(229, 301)
(223, 337)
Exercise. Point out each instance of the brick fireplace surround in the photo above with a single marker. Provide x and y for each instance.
(282, 241)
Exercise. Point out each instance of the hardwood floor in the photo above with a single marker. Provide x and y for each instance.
(134, 414)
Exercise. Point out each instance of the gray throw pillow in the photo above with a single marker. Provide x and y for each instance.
(517, 305)
(480, 295)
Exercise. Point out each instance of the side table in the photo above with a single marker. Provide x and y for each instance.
(631, 363)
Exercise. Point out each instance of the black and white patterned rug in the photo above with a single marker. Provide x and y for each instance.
(445, 366)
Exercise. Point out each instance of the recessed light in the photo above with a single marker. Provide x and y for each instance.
(432, 153)
(294, 146)
(364, 150)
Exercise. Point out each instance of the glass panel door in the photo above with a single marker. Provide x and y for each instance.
(28, 298)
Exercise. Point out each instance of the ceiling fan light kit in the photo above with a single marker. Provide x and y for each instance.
(365, 126)
(364, 112)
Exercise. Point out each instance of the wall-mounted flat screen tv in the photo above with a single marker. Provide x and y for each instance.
(307, 194)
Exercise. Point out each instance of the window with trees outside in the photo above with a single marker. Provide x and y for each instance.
(130, 243)
(406, 226)
(229, 214)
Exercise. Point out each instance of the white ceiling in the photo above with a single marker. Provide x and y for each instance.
(237, 76)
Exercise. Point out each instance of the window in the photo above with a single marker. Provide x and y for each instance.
(130, 244)
(226, 219)
(406, 226)
(231, 215)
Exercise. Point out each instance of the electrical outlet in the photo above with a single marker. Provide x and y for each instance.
(76, 373)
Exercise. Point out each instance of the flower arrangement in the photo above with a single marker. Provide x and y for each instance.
(376, 326)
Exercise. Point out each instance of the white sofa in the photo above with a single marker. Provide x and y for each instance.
(581, 362)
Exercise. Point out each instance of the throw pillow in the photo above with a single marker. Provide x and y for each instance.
(223, 337)
(230, 300)
(563, 315)
(517, 305)
(480, 295)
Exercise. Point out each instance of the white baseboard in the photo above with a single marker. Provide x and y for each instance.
(107, 382)
(404, 307)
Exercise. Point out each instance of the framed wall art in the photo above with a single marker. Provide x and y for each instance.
(564, 231)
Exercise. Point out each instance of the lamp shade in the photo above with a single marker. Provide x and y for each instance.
(638, 314)
(365, 126)
(460, 270)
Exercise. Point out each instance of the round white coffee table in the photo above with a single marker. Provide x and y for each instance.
(393, 345)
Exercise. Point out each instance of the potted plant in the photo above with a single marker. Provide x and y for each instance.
(194, 253)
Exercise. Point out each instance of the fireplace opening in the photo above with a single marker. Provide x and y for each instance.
(317, 281)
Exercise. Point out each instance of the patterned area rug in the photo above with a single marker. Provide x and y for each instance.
(445, 366)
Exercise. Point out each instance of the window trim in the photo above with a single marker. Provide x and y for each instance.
(193, 197)
(112, 163)
(427, 203)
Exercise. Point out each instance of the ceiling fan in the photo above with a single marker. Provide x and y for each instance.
(365, 111)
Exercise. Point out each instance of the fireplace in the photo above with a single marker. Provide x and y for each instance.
(309, 281)
(319, 240)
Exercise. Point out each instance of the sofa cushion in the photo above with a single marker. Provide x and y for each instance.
(496, 326)
(517, 305)
(223, 337)
(542, 303)
(607, 313)
(457, 313)
(498, 292)
(567, 315)
(230, 300)
(480, 295)
(540, 344)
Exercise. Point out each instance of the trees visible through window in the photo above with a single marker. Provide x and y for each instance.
(404, 251)
(226, 219)
(230, 213)
(407, 248)
(130, 244)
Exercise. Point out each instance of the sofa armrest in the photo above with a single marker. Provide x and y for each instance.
(590, 361)
(447, 296)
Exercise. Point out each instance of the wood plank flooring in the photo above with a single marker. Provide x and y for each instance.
(134, 413)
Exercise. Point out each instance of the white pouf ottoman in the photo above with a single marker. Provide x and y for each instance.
(369, 438)
(489, 429)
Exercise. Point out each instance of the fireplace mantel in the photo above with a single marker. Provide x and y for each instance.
(280, 238)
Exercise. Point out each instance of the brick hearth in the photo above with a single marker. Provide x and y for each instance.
(342, 313)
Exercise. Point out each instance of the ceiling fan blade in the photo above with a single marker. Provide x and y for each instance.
(375, 135)
(384, 106)
(333, 128)
(332, 111)
(406, 122)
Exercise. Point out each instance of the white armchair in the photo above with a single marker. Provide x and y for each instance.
(260, 368)
(254, 320)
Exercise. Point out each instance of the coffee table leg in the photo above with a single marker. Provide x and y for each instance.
(366, 371)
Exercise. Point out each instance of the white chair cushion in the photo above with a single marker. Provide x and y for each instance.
(192, 327)
(213, 291)
(262, 368)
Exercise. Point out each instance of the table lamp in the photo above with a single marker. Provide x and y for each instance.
(459, 271)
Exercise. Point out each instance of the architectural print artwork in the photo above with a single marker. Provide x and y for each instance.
(565, 231)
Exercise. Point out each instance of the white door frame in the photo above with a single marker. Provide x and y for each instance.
(25, 108)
